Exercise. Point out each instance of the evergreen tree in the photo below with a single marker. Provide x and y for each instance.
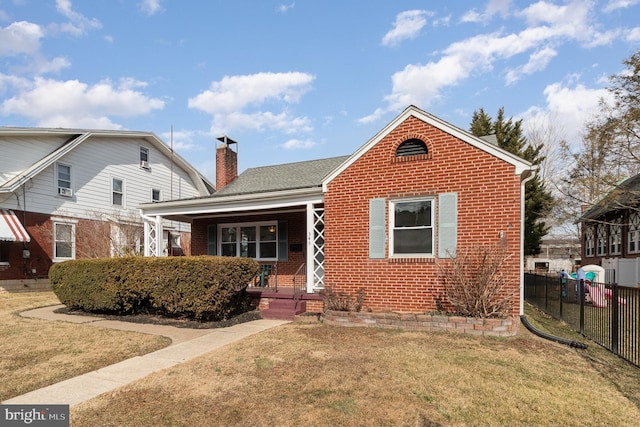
(538, 200)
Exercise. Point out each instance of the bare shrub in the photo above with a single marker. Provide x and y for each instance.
(474, 281)
(342, 301)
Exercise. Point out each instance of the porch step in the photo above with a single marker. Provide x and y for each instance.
(284, 309)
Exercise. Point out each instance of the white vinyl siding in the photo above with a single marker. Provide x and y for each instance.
(93, 165)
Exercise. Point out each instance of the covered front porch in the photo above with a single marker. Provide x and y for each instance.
(283, 231)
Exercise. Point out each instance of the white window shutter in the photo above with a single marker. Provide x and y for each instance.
(377, 228)
(447, 224)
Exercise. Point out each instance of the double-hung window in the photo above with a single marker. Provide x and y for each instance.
(589, 241)
(64, 241)
(254, 240)
(615, 237)
(633, 235)
(117, 192)
(412, 232)
(63, 173)
(601, 240)
(144, 157)
(417, 227)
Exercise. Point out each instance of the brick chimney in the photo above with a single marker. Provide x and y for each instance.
(226, 163)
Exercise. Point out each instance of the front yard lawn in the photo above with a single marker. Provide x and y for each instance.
(35, 353)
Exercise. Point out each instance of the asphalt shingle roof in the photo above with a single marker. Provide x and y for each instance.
(289, 176)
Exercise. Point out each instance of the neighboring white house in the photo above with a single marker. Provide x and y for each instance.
(70, 193)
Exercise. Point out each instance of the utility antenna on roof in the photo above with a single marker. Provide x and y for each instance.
(171, 173)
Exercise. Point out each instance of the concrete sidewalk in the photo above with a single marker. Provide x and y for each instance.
(186, 344)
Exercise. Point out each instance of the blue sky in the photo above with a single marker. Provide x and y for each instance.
(301, 80)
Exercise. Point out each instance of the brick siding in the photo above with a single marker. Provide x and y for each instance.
(488, 204)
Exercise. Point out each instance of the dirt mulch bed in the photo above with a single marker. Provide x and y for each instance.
(155, 319)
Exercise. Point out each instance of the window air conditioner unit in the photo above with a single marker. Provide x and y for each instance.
(63, 191)
(144, 164)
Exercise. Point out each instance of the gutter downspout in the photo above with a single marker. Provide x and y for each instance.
(523, 318)
(522, 209)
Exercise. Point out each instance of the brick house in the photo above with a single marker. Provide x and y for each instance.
(377, 219)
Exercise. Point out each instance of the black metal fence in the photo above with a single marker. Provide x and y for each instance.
(608, 314)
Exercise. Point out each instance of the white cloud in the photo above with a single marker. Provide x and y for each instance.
(235, 102)
(182, 140)
(20, 38)
(78, 24)
(548, 25)
(633, 35)
(284, 8)
(151, 7)
(571, 105)
(298, 144)
(260, 121)
(83, 106)
(406, 26)
(537, 61)
(619, 4)
(494, 7)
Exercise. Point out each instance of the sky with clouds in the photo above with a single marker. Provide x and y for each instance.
(301, 80)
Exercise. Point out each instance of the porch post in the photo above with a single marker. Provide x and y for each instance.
(310, 248)
(152, 236)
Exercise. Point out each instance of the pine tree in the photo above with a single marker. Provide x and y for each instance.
(538, 200)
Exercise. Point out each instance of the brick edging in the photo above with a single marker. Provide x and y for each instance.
(430, 322)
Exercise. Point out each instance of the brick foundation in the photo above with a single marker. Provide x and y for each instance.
(429, 322)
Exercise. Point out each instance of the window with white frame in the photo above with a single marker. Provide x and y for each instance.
(633, 233)
(252, 240)
(63, 173)
(117, 192)
(155, 195)
(64, 241)
(412, 227)
(589, 241)
(615, 237)
(601, 239)
(144, 157)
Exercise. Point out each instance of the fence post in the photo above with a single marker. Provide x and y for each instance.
(563, 282)
(546, 292)
(615, 314)
(581, 296)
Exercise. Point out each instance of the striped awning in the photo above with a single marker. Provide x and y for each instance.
(11, 228)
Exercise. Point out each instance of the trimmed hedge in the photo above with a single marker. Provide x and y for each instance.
(207, 288)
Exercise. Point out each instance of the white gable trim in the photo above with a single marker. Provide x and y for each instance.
(519, 164)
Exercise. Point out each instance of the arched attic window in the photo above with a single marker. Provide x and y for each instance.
(411, 147)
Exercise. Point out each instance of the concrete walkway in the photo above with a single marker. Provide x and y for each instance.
(186, 345)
